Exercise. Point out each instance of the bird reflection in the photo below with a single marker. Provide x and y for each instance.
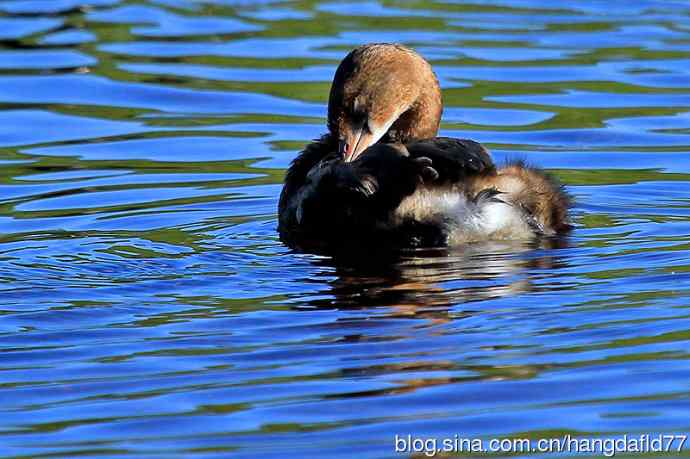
(437, 289)
(428, 283)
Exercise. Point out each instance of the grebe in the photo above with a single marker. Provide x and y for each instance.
(381, 176)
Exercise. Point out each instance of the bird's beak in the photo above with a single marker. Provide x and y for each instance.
(356, 139)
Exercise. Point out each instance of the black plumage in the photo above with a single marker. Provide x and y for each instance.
(347, 203)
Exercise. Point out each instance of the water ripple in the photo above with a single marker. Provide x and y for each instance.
(148, 308)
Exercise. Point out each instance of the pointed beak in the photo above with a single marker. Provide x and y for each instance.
(354, 142)
(356, 139)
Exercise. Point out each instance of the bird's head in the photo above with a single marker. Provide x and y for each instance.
(382, 91)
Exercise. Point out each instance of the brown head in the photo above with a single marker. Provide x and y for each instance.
(382, 89)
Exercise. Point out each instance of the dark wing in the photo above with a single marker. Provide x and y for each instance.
(322, 196)
(302, 164)
(453, 159)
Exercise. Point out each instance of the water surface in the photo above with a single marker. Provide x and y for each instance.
(149, 310)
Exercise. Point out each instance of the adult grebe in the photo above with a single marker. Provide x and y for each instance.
(381, 176)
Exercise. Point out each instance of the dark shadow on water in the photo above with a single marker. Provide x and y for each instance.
(429, 282)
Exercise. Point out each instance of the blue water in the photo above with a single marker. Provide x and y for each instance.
(148, 309)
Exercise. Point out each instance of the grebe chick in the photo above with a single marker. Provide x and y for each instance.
(515, 202)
